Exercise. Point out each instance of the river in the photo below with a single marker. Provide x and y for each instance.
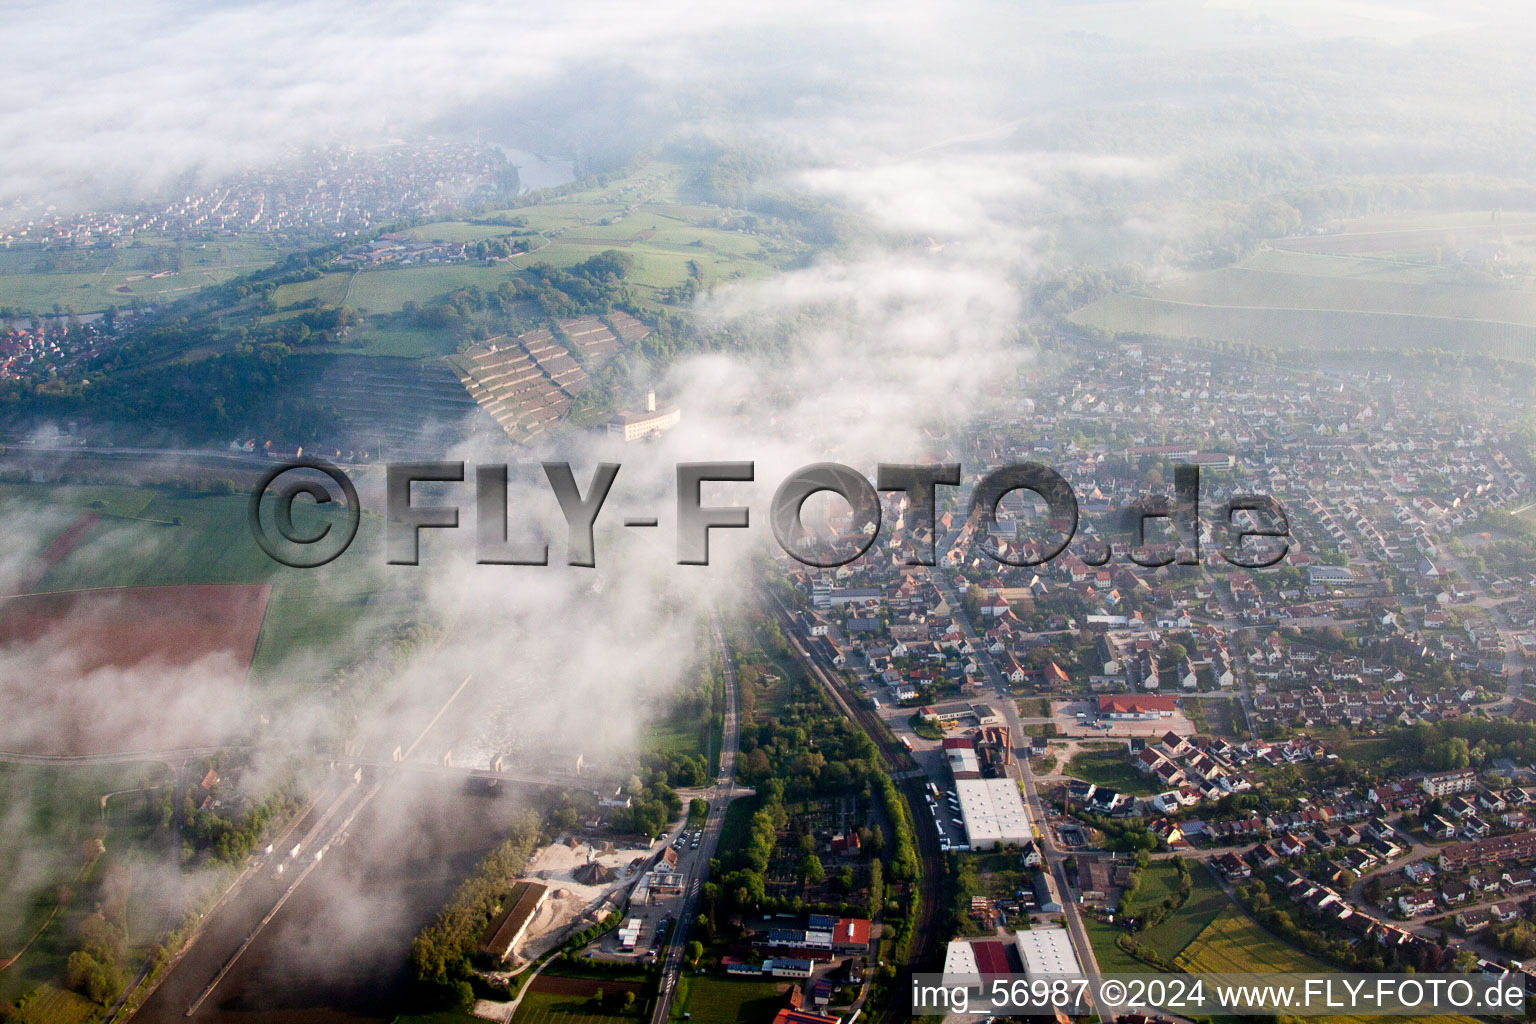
(536, 171)
(336, 952)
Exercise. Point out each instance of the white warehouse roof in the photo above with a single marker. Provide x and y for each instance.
(994, 812)
(1047, 951)
(963, 759)
(959, 959)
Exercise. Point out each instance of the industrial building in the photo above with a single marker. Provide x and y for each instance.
(986, 959)
(991, 959)
(1328, 574)
(1137, 707)
(960, 753)
(788, 967)
(506, 931)
(800, 938)
(790, 1016)
(960, 959)
(851, 935)
(994, 813)
(1046, 952)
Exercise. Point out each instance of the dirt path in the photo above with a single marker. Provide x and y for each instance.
(491, 1010)
(37, 935)
(51, 915)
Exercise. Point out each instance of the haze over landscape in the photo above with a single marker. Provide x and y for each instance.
(1292, 244)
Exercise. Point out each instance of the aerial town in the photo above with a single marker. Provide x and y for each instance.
(1248, 721)
(331, 192)
(1173, 615)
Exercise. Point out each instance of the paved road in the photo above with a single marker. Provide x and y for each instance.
(1514, 661)
(237, 916)
(1055, 859)
(171, 755)
(719, 795)
(1229, 614)
(332, 825)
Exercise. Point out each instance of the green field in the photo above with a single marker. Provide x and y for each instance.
(385, 291)
(400, 340)
(643, 215)
(1159, 881)
(91, 280)
(1206, 901)
(1369, 752)
(1112, 959)
(36, 501)
(677, 734)
(327, 290)
(550, 1008)
(728, 1000)
(1334, 330)
(1215, 716)
(459, 231)
(1233, 944)
(1320, 292)
(48, 813)
(150, 536)
(657, 264)
(1421, 237)
(50, 1005)
(194, 538)
(1292, 289)
(1109, 768)
(317, 618)
(1286, 258)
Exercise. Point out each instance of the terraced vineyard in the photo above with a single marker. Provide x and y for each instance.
(528, 383)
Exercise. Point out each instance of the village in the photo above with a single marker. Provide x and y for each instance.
(1344, 734)
(330, 192)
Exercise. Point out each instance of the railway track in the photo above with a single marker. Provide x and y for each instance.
(928, 896)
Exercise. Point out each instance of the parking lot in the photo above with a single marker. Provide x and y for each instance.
(659, 914)
(944, 805)
(1079, 719)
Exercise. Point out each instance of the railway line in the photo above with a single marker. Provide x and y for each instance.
(927, 898)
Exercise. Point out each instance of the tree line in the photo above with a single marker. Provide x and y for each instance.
(441, 956)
